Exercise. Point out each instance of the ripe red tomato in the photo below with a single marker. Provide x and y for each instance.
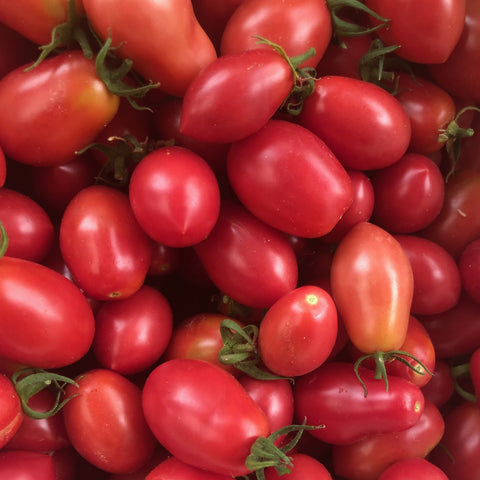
(469, 268)
(46, 321)
(304, 467)
(105, 422)
(175, 196)
(173, 468)
(417, 468)
(115, 252)
(11, 414)
(285, 164)
(172, 47)
(49, 113)
(25, 465)
(441, 387)
(298, 331)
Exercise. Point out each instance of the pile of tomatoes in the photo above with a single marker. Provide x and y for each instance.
(239, 239)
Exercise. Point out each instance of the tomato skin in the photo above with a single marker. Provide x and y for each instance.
(424, 38)
(298, 331)
(63, 105)
(294, 25)
(333, 396)
(172, 468)
(372, 285)
(260, 263)
(369, 457)
(29, 228)
(469, 267)
(309, 183)
(263, 80)
(49, 321)
(115, 254)
(304, 467)
(25, 465)
(408, 195)
(175, 196)
(105, 422)
(11, 416)
(342, 107)
(3, 168)
(417, 468)
(441, 387)
(171, 29)
(181, 399)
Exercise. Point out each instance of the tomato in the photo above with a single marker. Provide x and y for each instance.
(46, 321)
(374, 122)
(469, 268)
(458, 455)
(457, 223)
(417, 468)
(11, 416)
(369, 457)
(25, 465)
(332, 395)
(436, 277)
(165, 260)
(131, 334)
(423, 37)
(408, 194)
(298, 331)
(263, 80)
(29, 228)
(248, 260)
(163, 39)
(175, 196)
(35, 20)
(304, 467)
(115, 252)
(295, 25)
(3, 168)
(309, 183)
(52, 111)
(172, 468)
(105, 422)
(440, 387)
(202, 415)
(372, 285)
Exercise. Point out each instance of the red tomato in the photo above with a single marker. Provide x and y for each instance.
(248, 260)
(332, 395)
(131, 334)
(29, 228)
(417, 468)
(50, 112)
(230, 116)
(408, 194)
(11, 413)
(374, 122)
(202, 415)
(369, 457)
(440, 388)
(309, 183)
(469, 268)
(304, 468)
(115, 252)
(165, 260)
(105, 422)
(436, 277)
(172, 468)
(423, 37)
(46, 321)
(172, 47)
(372, 285)
(298, 331)
(294, 25)
(24, 465)
(3, 168)
(175, 196)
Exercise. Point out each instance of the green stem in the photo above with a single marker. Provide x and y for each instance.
(3, 240)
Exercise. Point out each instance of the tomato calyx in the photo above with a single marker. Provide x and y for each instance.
(459, 372)
(381, 358)
(264, 453)
(30, 381)
(3, 240)
(240, 350)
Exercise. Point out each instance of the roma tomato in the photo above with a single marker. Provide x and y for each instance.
(374, 122)
(423, 37)
(417, 468)
(309, 183)
(54, 110)
(372, 285)
(332, 395)
(249, 261)
(298, 331)
(46, 321)
(105, 422)
(115, 252)
(11, 414)
(25, 465)
(175, 196)
(172, 468)
(440, 387)
(304, 467)
(469, 268)
(163, 39)
(181, 399)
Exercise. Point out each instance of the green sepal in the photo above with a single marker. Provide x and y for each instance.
(3, 240)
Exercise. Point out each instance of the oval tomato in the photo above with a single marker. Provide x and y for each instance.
(469, 268)
(285, 164)
(25, 465)
(11, 416)
(172, 468)
(115, 252)
(46, 321)
(440, 387)
(417, 468)
(49, 113)
(304, 467)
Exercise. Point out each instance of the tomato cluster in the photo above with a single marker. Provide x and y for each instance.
(239, 239)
